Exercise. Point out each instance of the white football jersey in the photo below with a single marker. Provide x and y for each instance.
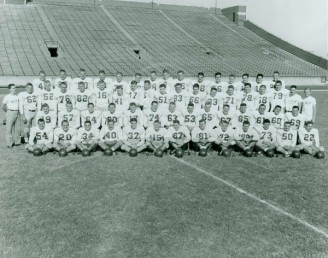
(309, 138)
(286, 138)
(66, 137)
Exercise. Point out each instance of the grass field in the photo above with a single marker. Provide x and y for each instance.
(150, 207)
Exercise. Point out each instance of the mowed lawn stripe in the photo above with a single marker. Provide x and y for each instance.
(140, 207)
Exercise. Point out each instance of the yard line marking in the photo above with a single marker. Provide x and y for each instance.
(254, 197)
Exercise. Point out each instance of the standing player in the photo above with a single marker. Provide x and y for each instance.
(286, 140)
(47, 96)
(204, 86)
(38, 83)
(156, 137)
(202, 137)
(218, 84)
(215, 98)
(112, 114)
(179, 136)
(275, 78)
(121, 100)
(295, 118)
(171, 115)
(27, 108)
(87, 137)
(179, 97)
(83, 97)
(62, 96)
(228, 116)
(92, 115)
(309, 106)
(261, 115)
(259, 82)
(191, 116)
(102, 96)
(268, 137)
(40, 137)
(162, 97)
(71, 115)
(231, 98)
(111, 136)
(196, 97)
(154, 81)
(264, 97)
(63, 79)
(50, 117)
(245, 137)
(293, 99)
(135, 113)
(237, 85)
(102, 78)
(210, 115)
(147, 95)
(152, 114)
(119, 82)
(64, 137)
(185, 83)
(277, 117)
(133, 137)
(250, 97)
(309, 138)
(279, 96)
(137, 79)
(224, 137)
(135, 93)
(167, 80)
(87, 81)
(10, 105)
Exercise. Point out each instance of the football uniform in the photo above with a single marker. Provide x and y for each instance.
(277, 120)
(272, 83)
(163, 100)
(102, 98)
(185, 84)
(50, 119)
(251, 100)
(197, 99)
(286, 138)
(204, 86)
(88, 83)
(38, 85)
(291, 101)
(232, 100)
(122, 84)
(191, 119)
(295, 121)
(216, 101)
(157, 138)
(307, 107)
(117, 116)
(211, 117)
(115, 134)
(220, 86)
(62, 138)
(138, 114)
(256, 86)
(47, 97)
(250, 135)
(147, 98)
(28, 104)
(224, 136)
(180, 99)
(83, 99)
(67, 80)
(155, 84)
(150, 116)
(135, 136)
(168, 117)
(199, 135)
(135, 96)
(94, 118)
(242, 117)
(279, 98)
(109, 84)
(62, 99)
(266, 135)
(230, 117)
(122, 102)
(72, 117)
(309, 138)
(259, 118)
(264, 99)
(86, 137)
(182, 135)
(38, 136)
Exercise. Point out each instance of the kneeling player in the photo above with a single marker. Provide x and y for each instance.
(40, 137)
(224, 137)
(134, 137)
(309, 138)
(64, 137)
(111, 136)
(286, 140)
(202, 137)
(267, 135)
(246, 137)
(87, 137)
(179, 136)
(156, 137)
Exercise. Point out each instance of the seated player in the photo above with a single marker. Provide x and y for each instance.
(113, 114)
(87, 137)
(71, 115)
(92, 115)
(133, 112)
(227, 115)
(50, 117)
(133, 137)
(224, 137)
(260, 115)
(202, 137)
(244, 115)
(277, 117)
(64, 137)
(210, 115)
(196, 97)
(40, 137)
(286, 140)
(246, 137)
(309, 139)
(111, 136)
(268, 137)
(179, 136)
(295, 118)
(170, 115)
(47, 95)
(156, 137)
(191, 116)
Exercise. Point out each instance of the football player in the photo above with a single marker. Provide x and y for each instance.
(309, 139)
(162, 97)
(250, 97)
(40, 137)
(50, 117)
(286, 140)
(133, 112)
(92, 115)
(121, 100)
(267, 137)
(154, 81)
(277, 117)
(275, 78)
(295, 118)
(113, 114)
(170, 115)
(47, 96)
(148, 95)
(218, 84)
(191, 116)
(210, 115)
(27, 108)
(204, 86)
(215, 98)
(231, 98)
(102, 96)
(196, 97)
(224, 137)
(259, 82)
(87, 137)
(38, 83)
(179, 136)
(260, 115)
(227, 115)
(64, 137)
(244, 115)
(156, 137)
(237, 85)
(63, 79)
(293, 99)
(202, 136)
(62, 96)
(108, 81)
(179, 97)
(152, 114)
(185, 83)
(167, 80)
(119, 82)
(264, 98)
(87, 81)
(71, 115)
(246, 137)
(309, 106)
(135, 93)
(83, 96)
(133, 137)
(137, 79)
(279, 96)
(111, 136)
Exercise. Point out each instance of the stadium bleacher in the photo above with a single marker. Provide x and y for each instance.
(88, 38)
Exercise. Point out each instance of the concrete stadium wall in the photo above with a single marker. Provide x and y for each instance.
(287, 46)
(236, 14)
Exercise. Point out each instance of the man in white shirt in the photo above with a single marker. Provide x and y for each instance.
(133, 137)
(148, 95)
(243, 115)
(92, 115)
(179, 97)
(50, 117)
(196, 97)
(264, 97)
(102, 96)
(154, 81)
(202, 136)
(275, 78)
(113, 114)
(191, 117)
(38, 83)
(111, 136)
(121, 100)
(231, 98)
(133, 112)
(267, 137)
(163, 97)
(309, 139)
(293, 99)
(63, 79)
(260, 115)
(204, 86)
(185, 83)
(250, 97)
(309, 106)
(156, 137)
(62, 96)
(119, 82)
(83, 96)
(215, 98)
(277, 117)
(87, 137)
(88, 82)
(218, 84)
(286, 140)
(10, 105)
(71, 115)
(246, 137)
(108, 81)
(279, 96)
(47, 95)
(152, 114)
(295, 118)
(259, 82)
(135, 93)
(224, 137)
(227, 115)
(170, 115)
(64, 137)
(179, 136)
